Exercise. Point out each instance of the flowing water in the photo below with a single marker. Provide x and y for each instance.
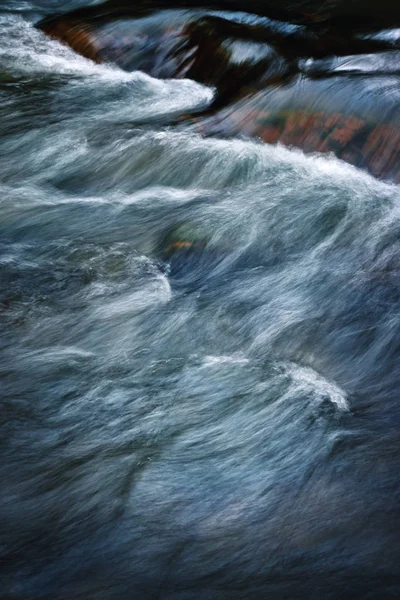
(221, 426)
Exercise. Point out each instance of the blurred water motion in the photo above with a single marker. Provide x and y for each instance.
(199, 335)
(322, 90)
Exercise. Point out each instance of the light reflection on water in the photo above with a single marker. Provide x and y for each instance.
(226, 428)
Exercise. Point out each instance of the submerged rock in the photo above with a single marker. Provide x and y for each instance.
(322, 88)
(183, 238)
(173, 44)
(189, 253)
(354, 119)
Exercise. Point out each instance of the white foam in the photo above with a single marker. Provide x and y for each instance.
(28, 51)
(157, 291)
(236, 359)
(308, 379)
(215, 161)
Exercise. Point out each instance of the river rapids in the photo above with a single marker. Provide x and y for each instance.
(224, 426)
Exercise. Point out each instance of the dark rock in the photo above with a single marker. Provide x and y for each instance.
(365, 13)
(321, 88)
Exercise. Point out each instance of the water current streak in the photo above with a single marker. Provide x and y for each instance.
(199, 333)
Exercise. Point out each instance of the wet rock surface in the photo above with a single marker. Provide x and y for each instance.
(199, 321)
(319, 87)
(364, 13)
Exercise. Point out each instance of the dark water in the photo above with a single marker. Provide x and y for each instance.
(225, 426)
